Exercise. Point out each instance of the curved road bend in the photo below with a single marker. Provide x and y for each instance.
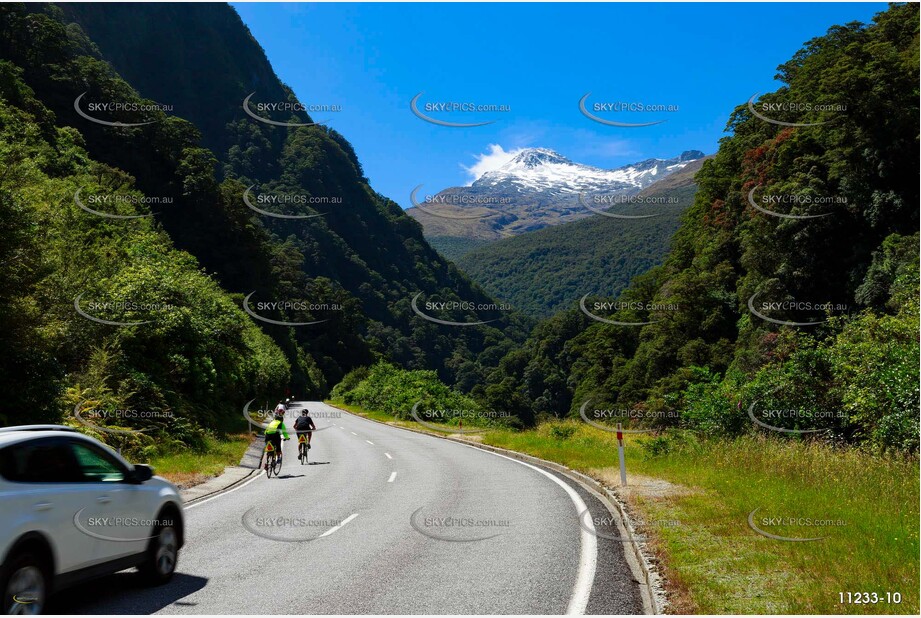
(386, 521)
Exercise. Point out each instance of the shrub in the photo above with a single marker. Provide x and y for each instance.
(562, 432)
(387, 388)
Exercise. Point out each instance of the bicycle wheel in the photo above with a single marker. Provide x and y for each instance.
(270, 464)
(276, 465)
(306, 451)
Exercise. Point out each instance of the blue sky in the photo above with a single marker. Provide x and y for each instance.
(537, 59)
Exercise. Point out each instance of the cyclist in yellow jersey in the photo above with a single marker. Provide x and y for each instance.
(274, 431)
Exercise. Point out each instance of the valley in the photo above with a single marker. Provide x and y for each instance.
(747, 314)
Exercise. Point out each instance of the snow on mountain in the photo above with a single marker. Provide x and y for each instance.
(541, 169)
(537, 188)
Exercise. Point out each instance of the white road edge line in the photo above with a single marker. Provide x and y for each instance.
(344, 522)
(393, 475)
(223, 493)
(588, 555)
(388, 455)
(369, 442)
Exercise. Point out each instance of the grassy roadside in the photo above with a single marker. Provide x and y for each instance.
(188, 468)
(694, 498)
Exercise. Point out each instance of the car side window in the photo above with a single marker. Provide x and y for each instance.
(97, 465)
(39, 461)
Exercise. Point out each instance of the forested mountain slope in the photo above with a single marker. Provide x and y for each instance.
(757, 305)
(354, 266)
(548, 270)
(184, 340)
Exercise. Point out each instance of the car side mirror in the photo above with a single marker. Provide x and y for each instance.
(141, 473)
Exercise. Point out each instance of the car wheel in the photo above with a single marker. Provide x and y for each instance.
(160, 564)
(25, 589)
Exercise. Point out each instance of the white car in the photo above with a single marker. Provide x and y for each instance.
(71, 509)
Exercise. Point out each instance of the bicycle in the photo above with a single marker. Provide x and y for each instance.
(302, 448)
(272, 461)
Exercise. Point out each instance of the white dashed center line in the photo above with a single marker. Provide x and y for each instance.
(344, 522)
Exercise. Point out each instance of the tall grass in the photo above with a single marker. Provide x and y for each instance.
(190, 467)
(713, 560)
(868, 506)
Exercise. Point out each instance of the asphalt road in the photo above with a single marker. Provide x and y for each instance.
(386, 521)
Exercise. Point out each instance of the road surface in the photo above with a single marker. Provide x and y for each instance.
(386, 521)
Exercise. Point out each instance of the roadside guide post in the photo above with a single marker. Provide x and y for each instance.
(620, 455)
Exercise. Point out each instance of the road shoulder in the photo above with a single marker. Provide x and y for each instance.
(231, 477)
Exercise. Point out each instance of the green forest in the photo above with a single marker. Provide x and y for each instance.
(839, 262)
(850, 373)
(195, 251)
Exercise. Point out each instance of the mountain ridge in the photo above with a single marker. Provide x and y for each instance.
(536, 188)
(548, 270)
(530, 158)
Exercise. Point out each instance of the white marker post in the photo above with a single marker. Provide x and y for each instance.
(620, 455)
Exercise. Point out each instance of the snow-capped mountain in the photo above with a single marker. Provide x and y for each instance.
(537, 188)
(541, 169)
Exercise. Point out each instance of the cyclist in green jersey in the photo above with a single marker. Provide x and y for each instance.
(274, 431)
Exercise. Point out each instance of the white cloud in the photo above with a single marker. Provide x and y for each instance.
(495, 158)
